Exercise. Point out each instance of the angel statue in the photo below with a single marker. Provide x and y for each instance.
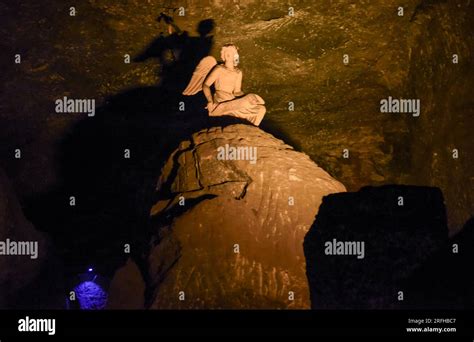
(228, 98)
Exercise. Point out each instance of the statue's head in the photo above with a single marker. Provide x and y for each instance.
(230, 52)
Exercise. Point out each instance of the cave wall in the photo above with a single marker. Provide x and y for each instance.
(18, 271)
(439, 30)
(297, 59)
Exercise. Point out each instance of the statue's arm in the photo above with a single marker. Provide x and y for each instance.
(238, 85)
(207, 93)
(208, 82)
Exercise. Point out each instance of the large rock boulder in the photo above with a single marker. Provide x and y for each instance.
(127, 288)
(364, 246)
(22, 248)
(229, 233)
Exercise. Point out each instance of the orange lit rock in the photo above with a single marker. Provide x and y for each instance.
(229, 233)
(127, 288)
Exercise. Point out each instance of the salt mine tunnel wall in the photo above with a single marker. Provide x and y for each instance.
(440, 278)
(409, 56)
(443, 31)
(413, 60)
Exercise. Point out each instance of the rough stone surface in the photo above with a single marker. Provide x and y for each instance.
(16, 272)
(398, 240)
(90, 296)
(284, 59)
(127, 288)
(230, 203)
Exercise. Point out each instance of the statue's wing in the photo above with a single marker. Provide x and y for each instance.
(200, 73)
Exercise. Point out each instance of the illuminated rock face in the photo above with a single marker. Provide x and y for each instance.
(17, 271)
(236, 237)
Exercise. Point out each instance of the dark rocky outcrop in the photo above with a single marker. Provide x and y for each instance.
(127, 288)
(398, 240)
(446, 280)
(237, 240)
(17, 271)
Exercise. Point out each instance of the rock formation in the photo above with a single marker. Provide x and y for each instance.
(229, 233)
(127, 288)
(16, 271)
(445, 281)
(401, 228)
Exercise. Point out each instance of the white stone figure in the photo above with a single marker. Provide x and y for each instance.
(228, 98)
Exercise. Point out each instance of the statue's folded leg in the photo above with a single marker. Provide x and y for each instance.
(261, 110)
(249, 107)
